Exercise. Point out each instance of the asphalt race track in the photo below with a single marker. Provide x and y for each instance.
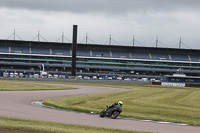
(17, 104)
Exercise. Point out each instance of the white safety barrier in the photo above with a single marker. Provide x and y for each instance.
(173, 84)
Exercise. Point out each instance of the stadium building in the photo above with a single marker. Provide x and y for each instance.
(29, 57)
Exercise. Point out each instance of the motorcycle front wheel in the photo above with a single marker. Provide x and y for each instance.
(115, 114)
(102, 114)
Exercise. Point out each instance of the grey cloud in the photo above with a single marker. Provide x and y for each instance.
(103, 6)
(146, 19)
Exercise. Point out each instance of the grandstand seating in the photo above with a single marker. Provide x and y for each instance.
(4, 49)
(140, 55)
(103, 53)
(36, 50)
(195, 58)
(19, 49)
(99, 57)
(100, 53)
(179, 57)
(120, 54)
(82, 52)
(159, 56)
(57, 51)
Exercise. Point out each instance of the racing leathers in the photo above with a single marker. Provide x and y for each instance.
(114, 107)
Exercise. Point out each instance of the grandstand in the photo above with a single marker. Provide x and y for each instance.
(28, 57)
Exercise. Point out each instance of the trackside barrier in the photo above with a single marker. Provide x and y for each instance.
(173, 84)
(169, 84)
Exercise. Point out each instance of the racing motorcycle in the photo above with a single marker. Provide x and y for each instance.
(111, 112)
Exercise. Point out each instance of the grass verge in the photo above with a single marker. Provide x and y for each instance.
(127, 86)
(170, 104)
(14, 86)
(50, 127)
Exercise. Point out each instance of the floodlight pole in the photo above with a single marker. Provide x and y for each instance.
(133, 40)
(38, 35)
(62, 37)
(156, 42)
(180, 44)
(14, 34)
(86, 38)
(110, 40)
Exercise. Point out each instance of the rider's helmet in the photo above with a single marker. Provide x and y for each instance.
(120, 103)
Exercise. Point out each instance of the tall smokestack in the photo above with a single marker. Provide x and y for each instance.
(74, 44)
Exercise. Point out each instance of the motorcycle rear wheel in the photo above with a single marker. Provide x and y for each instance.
(115, 114)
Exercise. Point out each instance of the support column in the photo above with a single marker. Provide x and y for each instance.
(74, 45)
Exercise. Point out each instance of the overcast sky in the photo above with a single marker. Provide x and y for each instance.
(169, 20)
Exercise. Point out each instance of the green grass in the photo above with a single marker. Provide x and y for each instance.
(50, 127)
(14, 86)
(171, 104)
(142, 102)
(39, 126)
(76, 83)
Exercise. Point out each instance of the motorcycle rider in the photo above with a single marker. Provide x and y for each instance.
(115, 106)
